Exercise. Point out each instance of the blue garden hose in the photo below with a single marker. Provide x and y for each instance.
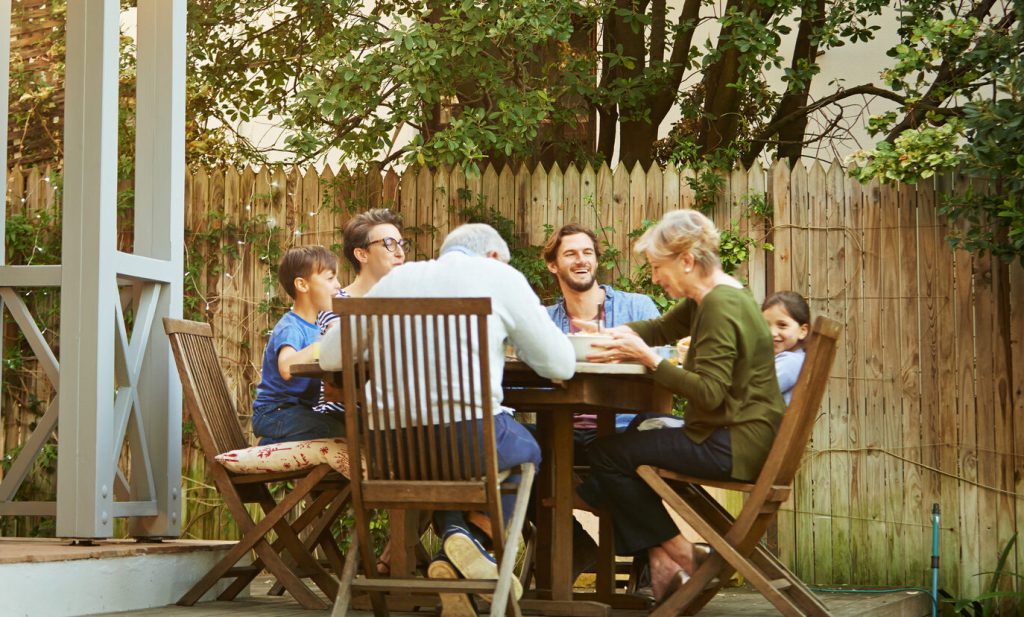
(935, 559)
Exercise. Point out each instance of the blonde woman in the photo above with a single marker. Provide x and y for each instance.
(728, 378)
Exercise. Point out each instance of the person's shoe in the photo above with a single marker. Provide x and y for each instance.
(472, 560)
(452, 604)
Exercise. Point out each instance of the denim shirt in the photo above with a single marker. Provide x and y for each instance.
(620, 307)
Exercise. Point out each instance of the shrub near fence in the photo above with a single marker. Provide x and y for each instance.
(921, 407)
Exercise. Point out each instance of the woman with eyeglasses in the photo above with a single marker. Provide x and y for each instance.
(373, 244)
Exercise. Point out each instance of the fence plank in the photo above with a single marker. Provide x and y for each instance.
(856, 327)
(441, 205)
(948, 343)
(458, 198)
(757, 228)
(523, 202)
(555, 212)
(966, 353)
(539, 209)
(778, 188)
(669, 191)
(588, 197)
(407, 201)
(572, 209)
(618, 217)
(890, 440)
(427, 238)
(837, 243)
(687, 196)
(654, 204)
(916, 511)
(820, 473)
(635, 213)
(1016, 345)
(738, 203)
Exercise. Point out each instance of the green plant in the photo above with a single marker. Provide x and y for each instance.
(985, 604)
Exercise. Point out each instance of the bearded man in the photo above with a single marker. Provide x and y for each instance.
(572, 255)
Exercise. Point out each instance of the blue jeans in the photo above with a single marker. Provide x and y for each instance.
(295, 423)
(515, 446)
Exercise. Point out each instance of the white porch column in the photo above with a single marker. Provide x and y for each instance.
(159, 234)
(88, 291)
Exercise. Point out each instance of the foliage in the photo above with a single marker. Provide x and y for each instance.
(985, 604)
(983, 137)
(524, 81)
(39, 485)
(524, 257)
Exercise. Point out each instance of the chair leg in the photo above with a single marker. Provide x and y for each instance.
(348, 574)
(274, 519)
(706, 520)
(503, 591)
(319, 530)
(529, 554)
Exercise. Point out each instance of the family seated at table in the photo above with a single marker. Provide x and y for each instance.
(728, 376)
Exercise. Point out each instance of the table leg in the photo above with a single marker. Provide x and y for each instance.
(405, 536)
(562, 492)
(542, 514)
(605, 583)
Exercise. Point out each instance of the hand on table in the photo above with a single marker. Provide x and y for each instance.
(625, 346)
(590, 327)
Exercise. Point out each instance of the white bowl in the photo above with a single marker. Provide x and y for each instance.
(583, 344)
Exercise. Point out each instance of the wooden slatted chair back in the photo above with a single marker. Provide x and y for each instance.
(417, 372)
(798, 422)
(207, 398)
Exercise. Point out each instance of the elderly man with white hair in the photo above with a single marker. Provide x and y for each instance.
(474, 264)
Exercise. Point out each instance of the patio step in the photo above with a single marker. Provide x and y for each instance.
(56, 578)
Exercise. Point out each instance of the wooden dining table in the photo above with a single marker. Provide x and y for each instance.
(601, 389)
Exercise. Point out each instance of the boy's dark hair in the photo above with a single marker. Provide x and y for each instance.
(794, 304)
(304, 261)
(356, 233)
(550, 250)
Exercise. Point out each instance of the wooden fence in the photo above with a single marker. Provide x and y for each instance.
(924, 402)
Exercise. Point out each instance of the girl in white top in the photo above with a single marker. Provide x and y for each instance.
(789, 319)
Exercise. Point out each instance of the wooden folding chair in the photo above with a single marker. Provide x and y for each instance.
(414, 369)
(288, 557)
(736, 540)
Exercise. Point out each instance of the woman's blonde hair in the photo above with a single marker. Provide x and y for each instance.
(680, 232)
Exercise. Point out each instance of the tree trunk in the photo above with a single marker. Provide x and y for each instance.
(790, 136)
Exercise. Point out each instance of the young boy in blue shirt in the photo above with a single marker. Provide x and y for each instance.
(283, 409)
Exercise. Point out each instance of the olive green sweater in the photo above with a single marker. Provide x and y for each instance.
(728, 376)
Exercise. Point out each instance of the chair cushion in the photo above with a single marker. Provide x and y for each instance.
(288, 456)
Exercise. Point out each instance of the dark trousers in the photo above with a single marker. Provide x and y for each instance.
(638, 516)
(515, 446)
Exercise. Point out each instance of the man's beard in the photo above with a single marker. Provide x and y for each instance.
(580, 286)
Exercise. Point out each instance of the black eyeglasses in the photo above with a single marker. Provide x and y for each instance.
(391, 243)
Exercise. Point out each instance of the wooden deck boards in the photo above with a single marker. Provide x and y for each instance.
(741, 602)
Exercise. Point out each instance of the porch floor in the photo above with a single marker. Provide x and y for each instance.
(741, 602)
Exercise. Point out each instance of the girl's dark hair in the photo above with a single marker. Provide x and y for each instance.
(356, 233)
(794, 304)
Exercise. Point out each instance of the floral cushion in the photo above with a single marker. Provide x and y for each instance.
(288, 456)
